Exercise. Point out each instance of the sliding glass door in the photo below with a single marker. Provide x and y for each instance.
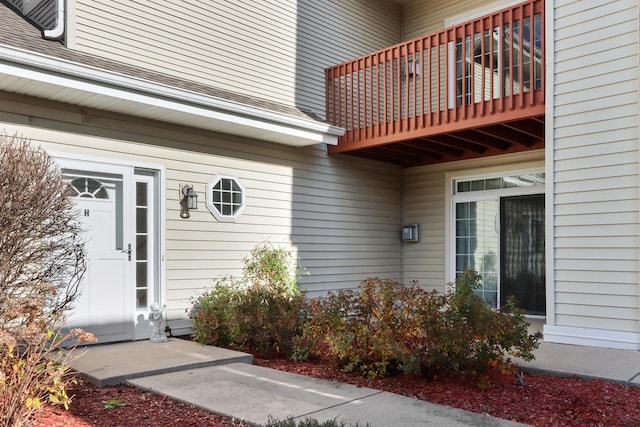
(499, 232)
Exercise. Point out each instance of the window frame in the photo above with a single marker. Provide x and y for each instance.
(212, 206)
(454, 197)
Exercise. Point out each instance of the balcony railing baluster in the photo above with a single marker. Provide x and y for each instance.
(475, 72)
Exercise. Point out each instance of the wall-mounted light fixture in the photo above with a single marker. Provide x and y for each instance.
(412, 68)
(188, 200)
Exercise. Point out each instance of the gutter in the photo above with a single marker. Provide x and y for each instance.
(56, 32)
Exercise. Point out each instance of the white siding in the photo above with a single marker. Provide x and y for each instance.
(427, 193)
(275, 50)
(426, 16)
(341, 216)
(595, 164)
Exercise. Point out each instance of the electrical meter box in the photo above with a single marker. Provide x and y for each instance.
(410, 233)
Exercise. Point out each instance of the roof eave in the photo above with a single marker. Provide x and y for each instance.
(58, 79)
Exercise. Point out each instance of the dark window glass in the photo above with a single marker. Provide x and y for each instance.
(522, 244)
(141, 193)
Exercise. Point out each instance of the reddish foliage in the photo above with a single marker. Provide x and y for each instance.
(543, 400)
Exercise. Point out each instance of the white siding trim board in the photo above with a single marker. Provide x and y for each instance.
(591, 337)
(592, 173)
(590, 283)
(588, 72)
(598, 33)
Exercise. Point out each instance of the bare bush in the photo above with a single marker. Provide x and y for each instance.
(41, 251)
(42, 260)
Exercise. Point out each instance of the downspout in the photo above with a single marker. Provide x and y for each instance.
(56, 32)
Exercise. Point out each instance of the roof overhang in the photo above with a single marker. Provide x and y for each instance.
(56, 79)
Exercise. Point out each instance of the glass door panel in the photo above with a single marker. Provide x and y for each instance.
(477, 244)
(522, 242)
(144, 243)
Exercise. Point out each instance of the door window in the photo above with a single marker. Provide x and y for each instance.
(146, 253)
(142, 241)
(88, 188)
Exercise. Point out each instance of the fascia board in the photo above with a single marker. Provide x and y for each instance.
(48, 70)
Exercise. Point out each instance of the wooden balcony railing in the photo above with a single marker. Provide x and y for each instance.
(484, 71)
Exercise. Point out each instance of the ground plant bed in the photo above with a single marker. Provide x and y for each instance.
(126, 406)
(539, 400)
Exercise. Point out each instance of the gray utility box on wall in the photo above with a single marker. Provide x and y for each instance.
(410, 233)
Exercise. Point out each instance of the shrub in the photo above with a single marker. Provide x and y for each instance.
(368, 331)
(269, 267)
(34, 372)
(264, 310)
(384, 327)
(213, 312)
(41, 265)
(41, 249)
(467, 335)
(268, 320)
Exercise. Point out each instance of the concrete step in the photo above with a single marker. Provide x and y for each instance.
(115, 363)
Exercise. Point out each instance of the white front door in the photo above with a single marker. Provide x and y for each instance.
(104, 202)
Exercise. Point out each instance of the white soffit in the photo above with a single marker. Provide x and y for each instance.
(41, 76)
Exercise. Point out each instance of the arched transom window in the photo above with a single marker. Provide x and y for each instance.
(87, 188)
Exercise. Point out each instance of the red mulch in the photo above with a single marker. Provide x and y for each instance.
(543, 400)
(139, 408)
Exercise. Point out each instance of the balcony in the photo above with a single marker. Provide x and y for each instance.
(471, 90)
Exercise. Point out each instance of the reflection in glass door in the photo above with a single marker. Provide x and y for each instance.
(477, 244)
(522, 263)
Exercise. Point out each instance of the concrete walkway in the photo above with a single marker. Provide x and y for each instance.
(621, 366)
(253, 393)
(226, 383)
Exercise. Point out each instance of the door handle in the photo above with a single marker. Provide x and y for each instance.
(127, 251)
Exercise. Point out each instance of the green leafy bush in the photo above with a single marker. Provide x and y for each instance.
(213, 313)
(264, 310)
(384, 327)
(271, 268)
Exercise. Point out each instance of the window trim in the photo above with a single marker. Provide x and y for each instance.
(211, 206)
